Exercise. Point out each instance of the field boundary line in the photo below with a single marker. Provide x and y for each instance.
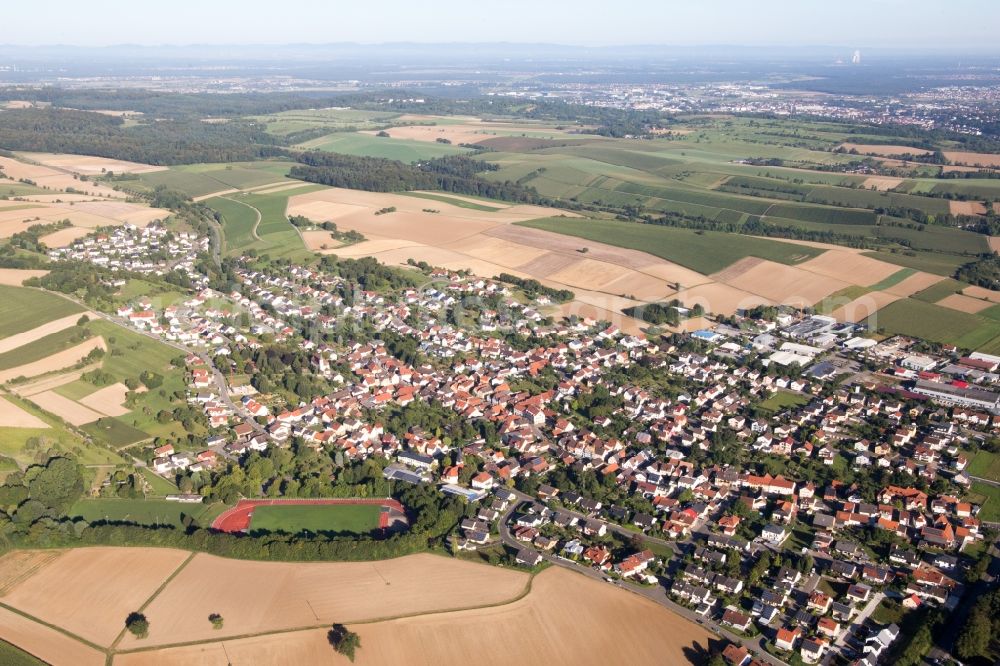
(155, 594)
(64, 632)
(521, 595)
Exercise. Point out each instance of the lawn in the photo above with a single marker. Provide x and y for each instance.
(351, 518)
(908, 316)
(782, 400)
(703, 251)
(145, 511)
(22, 309)
(985, 465)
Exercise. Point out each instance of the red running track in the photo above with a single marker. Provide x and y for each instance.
(238, 518)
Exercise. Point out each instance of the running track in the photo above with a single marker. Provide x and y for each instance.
(238, 518)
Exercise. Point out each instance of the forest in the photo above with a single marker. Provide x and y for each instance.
(162, 142)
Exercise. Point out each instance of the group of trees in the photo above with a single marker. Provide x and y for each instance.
(456, 173)
(662, 313)
(982, 625)
(534, 288)
(983, 272)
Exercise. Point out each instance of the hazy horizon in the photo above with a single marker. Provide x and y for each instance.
(912, 25)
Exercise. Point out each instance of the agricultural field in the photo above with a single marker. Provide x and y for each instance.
(199, 180)
(23, 309)
(936, 323)
(706, 252)
(334, 120)
(404, 150)
(585, 621)
(73, 604)
(353, 518)
(259, 222)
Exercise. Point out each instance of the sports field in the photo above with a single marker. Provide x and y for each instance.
(352, 518)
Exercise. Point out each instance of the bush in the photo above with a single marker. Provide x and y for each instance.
(216, 620)
(137, 623)
(343, 640)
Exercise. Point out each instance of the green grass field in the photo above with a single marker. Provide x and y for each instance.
(782, 400)
(352, 518)
(988, 497)
(199, 179)
(942, 289)
(11, 655)
(461, 203)
(129, 354)
(908, 316)
(706, 252)
(273, 235)
(369, 145)
(145, 511)
(938, 263)
(985, 465)
(44, 347)
(22, 309)
(22, 443)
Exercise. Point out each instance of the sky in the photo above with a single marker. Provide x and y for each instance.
(968, 25)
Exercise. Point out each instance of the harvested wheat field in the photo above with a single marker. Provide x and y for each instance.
(288, 595)
(864, 306)
(15, 277)
(47, 383)
(881, 183)
(973, 159)
(54, 179)
(964, 303)
(472, 132)
(12, 416)
(88, 164)
(914, 283)
(123, 212)
(57, 361)
(884, 151)
(47, 644)
(90, 591)
(565, 619)
(789, 285)
(967, 208)
(995, 240)
(66, 409)
(19, 565)
(64, 237)
(983, 293)
(109, 401)
(48, 328)
(720, 298)
(849, 266)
